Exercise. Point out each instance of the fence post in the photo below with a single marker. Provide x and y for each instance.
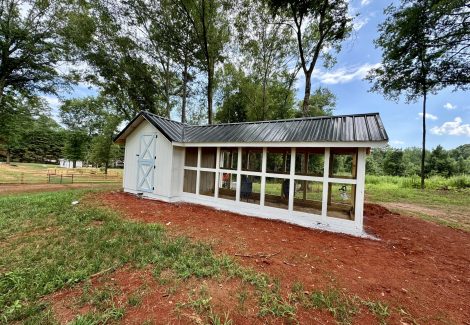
(72, 178)
(61, 178)
(22, 178)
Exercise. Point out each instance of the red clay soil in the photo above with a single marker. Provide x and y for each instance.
(417, 266)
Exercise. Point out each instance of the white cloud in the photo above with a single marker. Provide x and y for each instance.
(344, 75)
(365, 2)
(52, 101)
(449, 106)
(359, 23)
(428, 116)
(397, 142)
(452, 128)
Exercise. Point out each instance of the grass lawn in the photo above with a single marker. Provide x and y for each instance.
(53, 244)
(31, 173)
(450, 207)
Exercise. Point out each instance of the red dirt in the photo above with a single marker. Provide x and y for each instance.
(416, 265)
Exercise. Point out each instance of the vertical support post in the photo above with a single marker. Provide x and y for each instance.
(217, 173)
(198, 171)
(326, 190)
(291, 180)
(305, 170)
(72, 178)
(61, 178)
(239, 176)
(360, 179)
(263, 176)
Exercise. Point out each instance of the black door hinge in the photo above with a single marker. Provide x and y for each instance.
(153, 188)
(153, 166)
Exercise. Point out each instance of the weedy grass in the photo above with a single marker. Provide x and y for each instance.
(52, 244)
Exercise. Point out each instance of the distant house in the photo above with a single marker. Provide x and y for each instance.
(307, 171)
(69, 163)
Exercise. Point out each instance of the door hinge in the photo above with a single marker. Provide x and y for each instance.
(156, 136)
(153, 188)
(153, 166)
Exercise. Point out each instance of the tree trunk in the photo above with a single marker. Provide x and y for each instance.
(74, 164)
(423, 153)
(185, 92)
(308, 86)
(167, 88)
(263, 117)
(2, 87)
(106, 167)
(209, 94)
(8, 157)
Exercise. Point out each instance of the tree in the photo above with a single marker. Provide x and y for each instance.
(267, 52)
(99, 34)
(440, 163)
(393, 163)
(75, 145)
(425, 48)
(30, 46)
(103, 149)
(320, 26)
(210, 29)
(18, 114)
(322, 102)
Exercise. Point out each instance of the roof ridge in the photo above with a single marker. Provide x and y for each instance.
(292, 119)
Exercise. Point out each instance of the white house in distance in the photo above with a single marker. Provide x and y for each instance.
(307, 171)
(69, 163)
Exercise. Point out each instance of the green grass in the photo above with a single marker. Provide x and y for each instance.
(52, 244)
(441, 202)
(30, 173)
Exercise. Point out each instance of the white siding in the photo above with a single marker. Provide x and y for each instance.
(163, 162)
(177, 171)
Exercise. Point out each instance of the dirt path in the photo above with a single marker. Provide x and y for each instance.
(418, 267)
(452, 216)
(21, 188)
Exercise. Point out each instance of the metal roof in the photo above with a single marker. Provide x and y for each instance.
(345, 128)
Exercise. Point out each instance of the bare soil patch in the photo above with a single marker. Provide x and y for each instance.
(456, 217)
(419, 268)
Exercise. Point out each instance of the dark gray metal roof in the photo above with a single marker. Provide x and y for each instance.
(346, 128)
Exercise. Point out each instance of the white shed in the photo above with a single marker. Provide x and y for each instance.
(307, 171)
(69, 163)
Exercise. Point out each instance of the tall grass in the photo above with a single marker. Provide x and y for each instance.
(433, 182)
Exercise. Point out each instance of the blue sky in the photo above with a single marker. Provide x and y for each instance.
(448, 121)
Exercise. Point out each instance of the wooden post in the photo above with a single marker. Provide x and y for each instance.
(239, 176)
(61, 178)
(262, 194)
(326, 191)
(291, 180)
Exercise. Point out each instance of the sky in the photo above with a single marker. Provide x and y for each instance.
(448, 112)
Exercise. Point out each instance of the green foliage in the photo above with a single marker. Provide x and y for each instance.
(317, 25)
(30, 46)
(393, 163)
(322, 102)
(242, 98)
(406, 162)
(75, 147)
(26, 132)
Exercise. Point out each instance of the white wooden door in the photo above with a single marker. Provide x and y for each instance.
(146, 163)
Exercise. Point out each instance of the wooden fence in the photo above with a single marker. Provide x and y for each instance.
(59, 176)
